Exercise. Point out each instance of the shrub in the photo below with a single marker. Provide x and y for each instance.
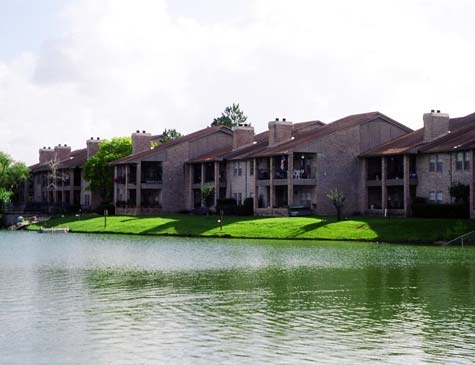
(105, 206)
(425, 210)
(230, 207)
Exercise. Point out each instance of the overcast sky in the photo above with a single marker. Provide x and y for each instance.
(75, 69)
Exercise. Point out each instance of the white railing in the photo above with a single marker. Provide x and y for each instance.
(465, 239)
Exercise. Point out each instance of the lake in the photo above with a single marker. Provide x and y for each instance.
(106, 299)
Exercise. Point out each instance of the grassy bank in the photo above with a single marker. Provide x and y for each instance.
(411, 230)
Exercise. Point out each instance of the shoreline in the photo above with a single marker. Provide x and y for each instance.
(410, 231)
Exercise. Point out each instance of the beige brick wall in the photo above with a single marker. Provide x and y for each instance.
(439, 181)
(243, 184)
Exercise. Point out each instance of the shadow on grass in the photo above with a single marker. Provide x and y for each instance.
(185, 225)
(54, 222)
(310, 227)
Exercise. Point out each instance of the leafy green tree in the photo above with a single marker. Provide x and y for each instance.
(338, 200)
(231, 117)
(170, 135)
(460, 192)
(98, 171)
(207, 194)
(12, 174)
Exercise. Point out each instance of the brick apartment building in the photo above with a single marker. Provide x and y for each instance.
(56, 181)
(290, 164)
(424, 164)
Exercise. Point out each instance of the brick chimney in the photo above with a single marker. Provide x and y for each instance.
(279, 131)
(242, 135)
(436, 124)
(140, 142)
(62, 152)
(92, 146)
(46, 154)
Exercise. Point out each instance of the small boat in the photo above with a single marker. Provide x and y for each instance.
(54, 230)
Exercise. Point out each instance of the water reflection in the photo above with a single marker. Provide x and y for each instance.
(84, 299)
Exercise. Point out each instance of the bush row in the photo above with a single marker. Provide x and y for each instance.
(426, 210)
(230, 207)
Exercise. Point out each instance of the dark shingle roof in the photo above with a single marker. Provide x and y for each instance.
(404, 144)
(188, 138)
(304, 133)
(460, 137)
(77, 158)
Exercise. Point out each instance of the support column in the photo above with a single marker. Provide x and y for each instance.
(216, 183)
(256, 190)
(407, 191)
(472, 182)
(271, 180)
(363, 202)
(126, 194)
(202, 183)
(71, 187)
(190, 169)
(138, 187)
(290, 179)
(384, 192)
(115, 186)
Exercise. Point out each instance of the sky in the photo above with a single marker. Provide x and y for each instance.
(75, 69)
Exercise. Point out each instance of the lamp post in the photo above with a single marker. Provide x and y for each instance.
(389, 206)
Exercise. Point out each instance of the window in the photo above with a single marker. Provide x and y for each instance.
(87, 200)
(436, 197)
(251, 167)
(435, 163)
(462, 161)
(237, 168)
(238, 198)
(439, 197)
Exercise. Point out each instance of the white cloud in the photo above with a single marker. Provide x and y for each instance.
(119, 66)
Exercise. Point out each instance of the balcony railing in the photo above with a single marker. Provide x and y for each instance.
(263, 174)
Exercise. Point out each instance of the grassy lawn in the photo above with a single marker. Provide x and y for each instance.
(357, 228)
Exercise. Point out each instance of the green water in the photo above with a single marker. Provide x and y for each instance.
(72, 298)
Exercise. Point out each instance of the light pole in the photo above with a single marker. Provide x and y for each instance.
(389, 206)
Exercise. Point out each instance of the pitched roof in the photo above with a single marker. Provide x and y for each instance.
(460, 137)
(304, 133)
(404, 144)
(188, 138)
(455, 123)
(77, 158)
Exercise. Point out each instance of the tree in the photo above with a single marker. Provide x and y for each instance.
(98, 171)
(12, 174)
(460, 192)
(231, 117)
(207, 194)
(338, 200)
(170, 135)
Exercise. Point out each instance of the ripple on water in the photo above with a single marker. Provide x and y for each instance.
(107, 299)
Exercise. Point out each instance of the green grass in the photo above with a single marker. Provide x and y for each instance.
(412, 230)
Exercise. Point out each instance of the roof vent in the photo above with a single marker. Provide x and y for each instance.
(438, 111)
(98, 138)
(143, 131)
(432, 110)
(137, 131)
(283, 119)
(276, 119)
